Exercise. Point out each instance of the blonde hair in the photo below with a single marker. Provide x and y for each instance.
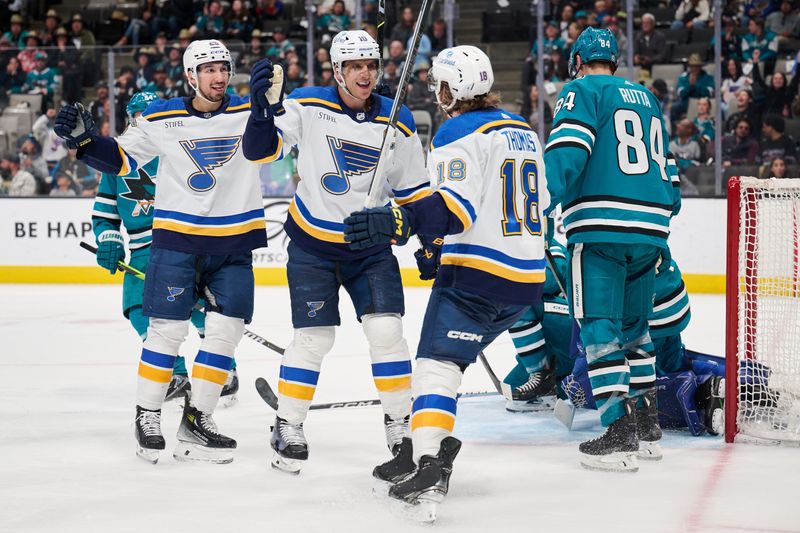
(483, 101)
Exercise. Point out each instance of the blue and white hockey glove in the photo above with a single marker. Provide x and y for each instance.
(110, 250)
(75, 125)
(266, 89)
(428, 256)
(380, 225)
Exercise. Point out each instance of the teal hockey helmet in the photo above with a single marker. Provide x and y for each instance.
(593, 45)
(138, 103)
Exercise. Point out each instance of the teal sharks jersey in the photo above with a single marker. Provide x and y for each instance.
(127, 201)
(608, 165)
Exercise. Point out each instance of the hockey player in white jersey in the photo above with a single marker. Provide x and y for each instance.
(339, 132)
(491, 191)
(208, 217)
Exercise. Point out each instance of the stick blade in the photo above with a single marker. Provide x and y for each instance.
(267, 394)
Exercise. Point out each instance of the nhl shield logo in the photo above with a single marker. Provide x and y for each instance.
(314, 307)
(174, 292)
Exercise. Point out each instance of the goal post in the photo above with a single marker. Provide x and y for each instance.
(763, 311)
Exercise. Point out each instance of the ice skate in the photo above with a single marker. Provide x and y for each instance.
(426, 488)
(648, 430)
(710, 399)
(149, 440)
(397, 469)
(228, 397)
(289, 443)
(180, 386)
(396, 431)
(536, 394)
(200, 440)
(615, 450)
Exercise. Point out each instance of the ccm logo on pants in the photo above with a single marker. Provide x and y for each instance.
(464, 336)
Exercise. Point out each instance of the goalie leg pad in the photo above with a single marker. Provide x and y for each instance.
(435, 386)
(164, 337)
(300, 371)
(391, 362)
(214, 360)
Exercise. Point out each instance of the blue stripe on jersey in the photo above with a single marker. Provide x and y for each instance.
(435, 401)
(488, 285)
(201, 244)
(300, 375)
(468, 206)
(161, 360)
(500, 257)
(324, 224)
(466, 124)
(222, 362)
(391, 369)
(209, 221)
(402, 193)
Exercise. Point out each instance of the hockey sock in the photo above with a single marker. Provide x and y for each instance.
(435, 385)
(300, 371)
(609, 373)
(641, 359)
(528, 339)
(179, 367)
(214, 359)
(159, 350)
(391, 362)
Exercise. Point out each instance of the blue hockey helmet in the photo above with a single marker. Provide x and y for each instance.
(139, 102)
(593, 45)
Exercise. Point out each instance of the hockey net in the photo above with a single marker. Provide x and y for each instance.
(763, 311)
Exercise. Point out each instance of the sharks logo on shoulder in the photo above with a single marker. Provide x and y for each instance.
(351, 159)
(139, 191)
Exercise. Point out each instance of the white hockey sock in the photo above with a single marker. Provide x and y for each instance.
(435, 384)
(214, 359)
(391, 362)
(300, 371)
(164, 338)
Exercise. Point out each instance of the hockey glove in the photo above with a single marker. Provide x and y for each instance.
(75, 125)
(110, 250)
(383, 89)
(664, 261)
(266, 89)
(428, 256)
(380, 225)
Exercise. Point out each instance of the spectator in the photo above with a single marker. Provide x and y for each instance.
(775, 142)
(704, 122)
(180, 16)
(419, 95)
(184, 38)
(326, 5)
(280, 46)
(733, 80)
(15, 33)
(423, 50)
(326, 76)
(650, 45)
(41, 80)
(784, 23)
(11, 80)
(161, 49)
(174, 70)
(80, 173)
(7, 51)
(294, 77)
(64, 186)
(84, 41)
(438, 36)
(141, 29)
(555, 66)
(582, 20)
(731, 46)
(694, 83)
(552, 40)
(211, 24)
(66, 58)
(240, 21)
(320, 58)
(335, 20)
(612, 24)
(391, 77)
(162, 85)
(684, 146)
(530, 111)
(53, 148)
(16, 181)
(602, 10)
(404, 28)
(268, 10)
(27, 57)
(100, 107)
(52, 23)
(567, 17)
(397, 53)
(31, 160)
(661, 92)
(124, 89)
(776, 169)
(760, 45)
(748, 111)
(143, 75)
(777, 97)
(252, 53)
(740, 148)
(692, 14)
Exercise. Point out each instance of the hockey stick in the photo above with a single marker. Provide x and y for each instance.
(496, 382)
(139, 274)
(381, 24)
(268, 395)
(390, 134)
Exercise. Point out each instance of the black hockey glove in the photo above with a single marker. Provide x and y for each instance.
(428, 256)
(266, 89)
(380, 225)
(75, 125)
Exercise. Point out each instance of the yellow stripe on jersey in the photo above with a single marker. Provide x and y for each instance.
(457, 209)
(508, 122)
(393, 384)
(125, 168)
(419, 195)
(245, 105)
(400, 125)
(433, 419)
(274, 156)
(209, 231)
(209, 374)
(494, 269)
(296, 391)
(155, 374)
(319, 101)
(320, 234)
(171, 113)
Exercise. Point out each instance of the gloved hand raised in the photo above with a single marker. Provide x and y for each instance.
(74, 124)
(266, 89)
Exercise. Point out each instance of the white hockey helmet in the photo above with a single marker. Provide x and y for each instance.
(467, 71)
(205, 51)
(349, 45)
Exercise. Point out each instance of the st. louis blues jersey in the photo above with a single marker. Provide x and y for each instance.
(671, 312)
(127, 201)
(339, 150)
(608, 163)
(489, 171)
(209, 195)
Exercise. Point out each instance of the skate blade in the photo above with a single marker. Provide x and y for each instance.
(229, 401)
(613, 462)
(189, 451)
(649, 451)
(290, 466)
(380, 488)
(545, 403)
(147, 454)
(421, 511)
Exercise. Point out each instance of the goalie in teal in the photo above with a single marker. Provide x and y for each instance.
(128, 201)
(609, 168)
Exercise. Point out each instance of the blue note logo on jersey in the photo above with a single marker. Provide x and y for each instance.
(314, 307)
(208, 154)
(141, 190)
(351, 159)
(174, 292)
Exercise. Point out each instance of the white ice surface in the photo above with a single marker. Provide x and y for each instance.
(67, 383)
